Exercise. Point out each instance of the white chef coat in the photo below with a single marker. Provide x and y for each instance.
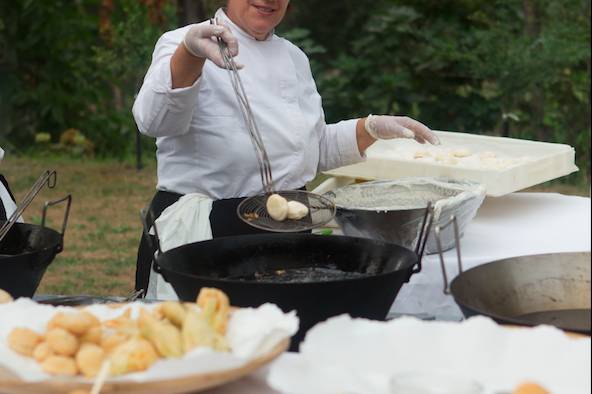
(202, 143)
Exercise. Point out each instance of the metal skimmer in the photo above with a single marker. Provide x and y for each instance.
(253, 210)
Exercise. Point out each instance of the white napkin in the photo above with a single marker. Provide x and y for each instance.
(186, 221)
(345, 355)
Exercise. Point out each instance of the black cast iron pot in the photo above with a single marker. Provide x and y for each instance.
(26, 252)
(317, 276)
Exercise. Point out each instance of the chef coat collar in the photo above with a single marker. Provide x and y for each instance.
(221, 14)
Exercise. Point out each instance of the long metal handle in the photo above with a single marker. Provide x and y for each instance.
(424, 233)
(437, 231)
(49, 178)
(247, 113)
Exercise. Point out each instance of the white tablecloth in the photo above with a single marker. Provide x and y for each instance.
(518, 224)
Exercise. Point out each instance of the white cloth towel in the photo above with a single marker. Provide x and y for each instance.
(186, 221)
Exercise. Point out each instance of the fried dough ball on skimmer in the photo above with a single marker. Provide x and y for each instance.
(277, 207)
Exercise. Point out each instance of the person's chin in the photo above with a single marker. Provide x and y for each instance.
(260, 29)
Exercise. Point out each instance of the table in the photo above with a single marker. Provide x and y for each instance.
(517, 224)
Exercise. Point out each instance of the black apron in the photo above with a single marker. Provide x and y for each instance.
(223, 220)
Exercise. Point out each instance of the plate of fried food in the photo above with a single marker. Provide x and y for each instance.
(137, 347)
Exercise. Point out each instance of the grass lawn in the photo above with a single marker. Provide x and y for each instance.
(104, 228)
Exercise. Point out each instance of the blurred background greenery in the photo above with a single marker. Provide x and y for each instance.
(69, 69)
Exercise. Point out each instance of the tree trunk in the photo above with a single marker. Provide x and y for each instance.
(190, 11)
(532, 29)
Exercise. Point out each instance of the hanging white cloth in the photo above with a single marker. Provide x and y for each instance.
(186, 221)
(6, 199)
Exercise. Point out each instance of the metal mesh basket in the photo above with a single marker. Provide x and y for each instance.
(321, 210)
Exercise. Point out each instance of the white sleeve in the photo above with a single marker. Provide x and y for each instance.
(338, 145)
(160, 110)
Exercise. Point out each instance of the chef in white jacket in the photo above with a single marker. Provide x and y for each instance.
(203, 147)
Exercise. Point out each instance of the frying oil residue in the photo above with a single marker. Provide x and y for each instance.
(302, 275)
(386, 196)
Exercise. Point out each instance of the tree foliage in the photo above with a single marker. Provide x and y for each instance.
(75, 65)
(519, 68)
(503, 67)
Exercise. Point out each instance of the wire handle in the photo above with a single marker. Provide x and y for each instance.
(437, 231)
(424, 233)
(48, 204)
(247, 113)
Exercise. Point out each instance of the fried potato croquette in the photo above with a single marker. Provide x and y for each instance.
(216, 308)
(62, 342)
(165, 337)
(93, 335)
(133, 356)
(174, 311)
(124, 324)
(75, 322)
(198, 332)
(60, 365)
(77, 343)
(5, 298)
(120, 321)
(42, 351)
(89, 359)
(112, 340)
(530, 388)
(24, 341)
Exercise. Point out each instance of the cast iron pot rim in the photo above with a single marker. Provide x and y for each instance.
(495, 316)
(166, 271)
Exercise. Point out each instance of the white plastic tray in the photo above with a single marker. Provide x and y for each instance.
(527, 163)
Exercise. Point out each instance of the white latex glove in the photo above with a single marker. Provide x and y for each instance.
(200, 41)
(385, 127)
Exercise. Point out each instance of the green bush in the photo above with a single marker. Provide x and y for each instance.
(60, 72)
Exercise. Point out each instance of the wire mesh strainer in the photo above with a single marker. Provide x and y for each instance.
(253, 210)
(321, 210)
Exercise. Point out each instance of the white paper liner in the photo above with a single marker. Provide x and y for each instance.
(345, 355)
(251, 332)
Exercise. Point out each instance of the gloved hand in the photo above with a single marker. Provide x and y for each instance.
(200, 41)
(384, 127)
